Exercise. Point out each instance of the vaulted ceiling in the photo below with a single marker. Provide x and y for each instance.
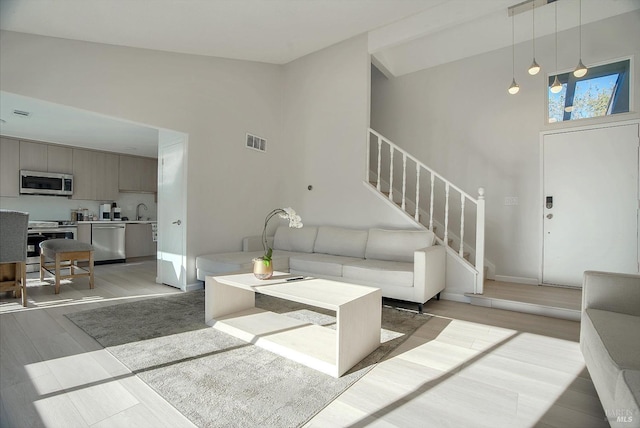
(404, 35)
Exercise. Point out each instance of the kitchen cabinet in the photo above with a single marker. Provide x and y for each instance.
(33, 156)
(59, 159)
(138, 240)
(45, 157)
(9, 167)
(138, 174)
(94, 175)
(84, 233)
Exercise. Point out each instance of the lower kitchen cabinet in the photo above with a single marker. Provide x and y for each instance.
(138, 240)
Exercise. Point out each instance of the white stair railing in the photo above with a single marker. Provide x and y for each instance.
(386, 169)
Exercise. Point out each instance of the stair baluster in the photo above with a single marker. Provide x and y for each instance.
(446, 214)
(417, 215)
(433, 183)
(404, 182)
(391, 173)
(462, 198)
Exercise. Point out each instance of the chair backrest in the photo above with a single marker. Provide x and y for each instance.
(13, 236)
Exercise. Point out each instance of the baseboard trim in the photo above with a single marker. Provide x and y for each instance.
(528, 308)
(517, 279)
(454, 297)
(194, 286)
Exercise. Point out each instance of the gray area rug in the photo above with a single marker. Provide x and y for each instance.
(217, 380)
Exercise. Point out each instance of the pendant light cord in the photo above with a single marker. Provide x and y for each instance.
(580, 28)
(513, 49)
(533, 16)
(556, 5)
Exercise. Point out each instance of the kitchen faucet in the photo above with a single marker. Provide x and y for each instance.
(138, 217)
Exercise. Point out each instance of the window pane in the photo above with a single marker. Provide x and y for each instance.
(593, 96)
(556, 104)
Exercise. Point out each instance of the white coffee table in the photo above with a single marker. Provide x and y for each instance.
(230, 307)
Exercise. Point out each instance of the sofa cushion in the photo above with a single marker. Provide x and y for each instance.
(319, 264)
(297, 240)
(341, 242)
(399, 274)
(397, 245)
(604, 341)
(614, 330)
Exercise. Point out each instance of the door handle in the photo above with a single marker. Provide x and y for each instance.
(178, 222)
(549, 216)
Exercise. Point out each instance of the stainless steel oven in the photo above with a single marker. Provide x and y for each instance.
(41, 231)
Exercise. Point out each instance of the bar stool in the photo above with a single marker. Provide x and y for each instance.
(64, 252)
(13, 253)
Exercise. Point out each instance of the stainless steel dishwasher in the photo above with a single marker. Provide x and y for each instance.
(108, 242)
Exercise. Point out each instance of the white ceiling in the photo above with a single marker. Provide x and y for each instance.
(404, 36)
(54, 123)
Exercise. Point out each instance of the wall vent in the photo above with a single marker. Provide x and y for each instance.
(256, 143)
(21, 113)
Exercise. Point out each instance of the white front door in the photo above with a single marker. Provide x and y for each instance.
(590, 197)
(171, 216)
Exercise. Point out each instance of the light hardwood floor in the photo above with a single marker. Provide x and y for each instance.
(467, 366)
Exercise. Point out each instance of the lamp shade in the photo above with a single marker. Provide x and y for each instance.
(534, 69)
(580, 70)
(556, 86)
(514, 88)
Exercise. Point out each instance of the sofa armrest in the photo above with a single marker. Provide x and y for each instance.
(254, 243)
(615, 292)
(429, 272)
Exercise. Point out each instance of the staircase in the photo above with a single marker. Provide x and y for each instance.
(431, 201)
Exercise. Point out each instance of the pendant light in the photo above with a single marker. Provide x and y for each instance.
(535, 68)
(514, 88)
(556, 86)
(580, 70)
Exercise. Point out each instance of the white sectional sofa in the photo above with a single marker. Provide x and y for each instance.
(610, 342)
(404, 264)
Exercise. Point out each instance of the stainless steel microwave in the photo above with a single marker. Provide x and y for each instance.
(45, 183)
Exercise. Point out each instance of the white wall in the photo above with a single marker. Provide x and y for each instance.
(215, 101)
(326, 117)
(459, 119)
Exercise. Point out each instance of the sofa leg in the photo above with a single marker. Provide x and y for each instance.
(438, 296)
(419, 308)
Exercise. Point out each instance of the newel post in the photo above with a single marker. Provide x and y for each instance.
(480, 242)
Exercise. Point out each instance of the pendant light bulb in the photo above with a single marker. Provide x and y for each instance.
(514, 88)
(556, 86)
(580, 70)
(535, 68)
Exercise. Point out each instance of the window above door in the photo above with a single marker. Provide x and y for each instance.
(603, 91)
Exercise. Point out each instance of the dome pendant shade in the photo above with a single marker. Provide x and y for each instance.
(580, 70)
(535, 68)
(556, 86)
(514, 88)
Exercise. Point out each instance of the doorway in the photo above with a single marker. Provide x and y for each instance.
(590, 202)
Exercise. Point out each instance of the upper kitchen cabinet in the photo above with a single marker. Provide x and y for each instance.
(9, 167)
(138, 174)
(94, 175)
(45, 157)
(59, 159)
